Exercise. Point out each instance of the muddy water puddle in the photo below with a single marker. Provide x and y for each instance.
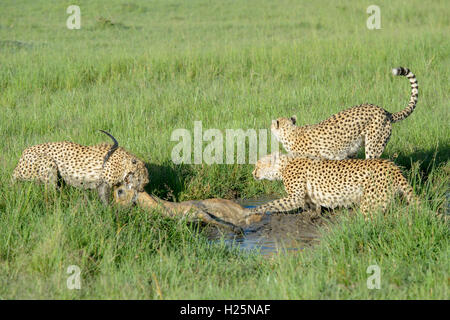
(275, 232)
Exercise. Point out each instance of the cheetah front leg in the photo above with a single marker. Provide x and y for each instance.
(279, 205)
(104, 192)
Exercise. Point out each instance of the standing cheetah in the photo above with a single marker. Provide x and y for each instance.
(371, 183)
(343, 134)
(100, 167)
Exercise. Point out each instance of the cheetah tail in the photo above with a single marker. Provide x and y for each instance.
(112, 149)
(400, 71)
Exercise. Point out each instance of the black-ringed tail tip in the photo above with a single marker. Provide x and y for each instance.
(396, 71)
(400, 71)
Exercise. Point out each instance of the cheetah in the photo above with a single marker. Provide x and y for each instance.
(99, 167)
(369, 183)
(343, 134)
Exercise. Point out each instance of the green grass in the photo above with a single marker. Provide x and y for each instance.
(143, 69)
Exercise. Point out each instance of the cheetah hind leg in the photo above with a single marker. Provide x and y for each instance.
(375, 143)
(36, 167)
(51, 175)
(104, 192)
(44, 170)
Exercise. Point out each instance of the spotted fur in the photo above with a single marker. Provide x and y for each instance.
(100, 167)
(369, 183)
(343, 134)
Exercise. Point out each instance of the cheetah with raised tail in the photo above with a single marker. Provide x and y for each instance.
(343, 134)
(369, 183)
(99, 167)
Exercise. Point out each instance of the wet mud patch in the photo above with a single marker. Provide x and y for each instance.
(279, 232)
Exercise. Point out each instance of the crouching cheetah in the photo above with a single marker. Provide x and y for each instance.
(371, 183)
(343, 134)
(98, 167)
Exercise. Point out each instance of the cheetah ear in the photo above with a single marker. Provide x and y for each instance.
(294, 119)
(275, 123)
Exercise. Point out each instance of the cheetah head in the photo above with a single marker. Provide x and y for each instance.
(282, 127)
(135, 174)
(269, 167)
